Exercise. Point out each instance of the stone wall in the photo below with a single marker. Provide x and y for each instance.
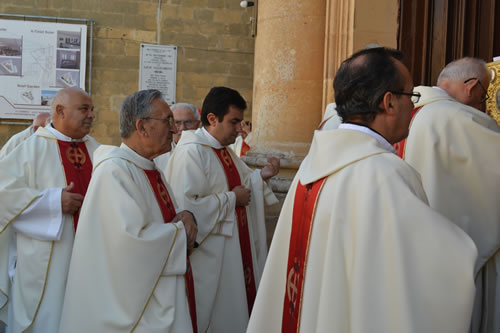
(213, 36)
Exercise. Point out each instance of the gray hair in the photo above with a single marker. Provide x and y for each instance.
(186, 106)
(136, 106)
(463, 69)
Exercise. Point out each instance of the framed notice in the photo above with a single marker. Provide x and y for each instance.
(158, 69)
(36, 60)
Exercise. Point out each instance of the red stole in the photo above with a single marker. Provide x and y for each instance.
(233, 180)
(304, 207)
(400, 146)
(77, 168)
(244, 148)
(168, 212)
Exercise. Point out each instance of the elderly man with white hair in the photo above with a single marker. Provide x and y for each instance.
(453, 144)
(41, 119)
(186, 118)
(42, 186)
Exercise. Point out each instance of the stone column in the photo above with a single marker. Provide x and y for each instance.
(288, 78)
(287, 90)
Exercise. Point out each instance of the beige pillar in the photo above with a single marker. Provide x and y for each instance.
(288, 77)
(338, 42)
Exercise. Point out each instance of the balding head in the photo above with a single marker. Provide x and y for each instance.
(41, 119)
(467, 81)
(73, 112)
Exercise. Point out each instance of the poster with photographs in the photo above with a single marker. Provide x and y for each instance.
(37, 59)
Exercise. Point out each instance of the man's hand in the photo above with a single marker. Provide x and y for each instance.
(271, 168)
(187, 219)
(242, 195)
(70, 202)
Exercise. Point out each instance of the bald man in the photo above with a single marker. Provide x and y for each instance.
(40, 120)
(42, 186)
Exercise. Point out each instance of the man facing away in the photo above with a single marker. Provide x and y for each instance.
(357, 248)
(42, 185)
(129, 269)
(454, 146)
(41, 119)
(186, 118)
(228, 200)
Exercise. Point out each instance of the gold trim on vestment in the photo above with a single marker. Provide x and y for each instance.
(217, 223)
(157, 280)
(44, 286)
(20, 212)
(7, 301)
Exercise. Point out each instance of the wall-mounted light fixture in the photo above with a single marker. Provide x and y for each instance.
(253, 18)
(245, 4)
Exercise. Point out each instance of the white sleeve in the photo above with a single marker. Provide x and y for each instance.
(43, 219)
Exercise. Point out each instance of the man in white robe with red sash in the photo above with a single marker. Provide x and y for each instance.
(130, 269)
(454, 145)
(42, 185)
(357, 249)
(228, 200)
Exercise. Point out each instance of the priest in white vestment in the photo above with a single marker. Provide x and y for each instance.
(42, 185)
(357, 248)
(228, 201)
(40, 120)
(454, 145)
(331, 119)
(129, 265)
(186, 118)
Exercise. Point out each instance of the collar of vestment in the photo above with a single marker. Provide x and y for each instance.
(370, 132)
(200, 136)
(105, 152)
(50, 132)
(431, 94)
(331, 151)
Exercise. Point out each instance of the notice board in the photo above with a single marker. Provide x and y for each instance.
(36, 60)
(158, 69)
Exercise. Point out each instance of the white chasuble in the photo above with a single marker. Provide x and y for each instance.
(379, 259)
(32, 302)
(455, 148)
(200, 185)
(127, 268)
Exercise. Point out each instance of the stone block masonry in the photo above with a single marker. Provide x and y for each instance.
(213, 39)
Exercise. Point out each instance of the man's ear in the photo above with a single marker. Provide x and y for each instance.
(59, 110)
(139, 127)
(387, 102)
(469, 86)
(212, 119)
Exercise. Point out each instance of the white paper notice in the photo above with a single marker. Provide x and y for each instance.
(37, 59)
(158, 69)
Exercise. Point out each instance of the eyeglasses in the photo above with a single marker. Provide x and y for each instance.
(186, 123)
(415, 97)
(169, 119)
(486, 96)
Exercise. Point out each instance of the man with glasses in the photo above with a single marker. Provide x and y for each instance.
(454, 146)
(357, 248)
(129, 267)
(186, 118)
